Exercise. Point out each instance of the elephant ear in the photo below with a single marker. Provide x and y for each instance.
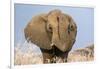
(36, 33)
(72, 31)
(44, 17)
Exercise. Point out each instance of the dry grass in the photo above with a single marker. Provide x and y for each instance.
(23, 57)
(84, 54)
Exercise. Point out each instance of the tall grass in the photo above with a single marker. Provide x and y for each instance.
(83, 54)
(27, 53)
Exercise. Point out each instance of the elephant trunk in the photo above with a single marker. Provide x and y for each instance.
(59, 37)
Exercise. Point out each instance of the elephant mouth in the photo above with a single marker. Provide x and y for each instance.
(57, 52)
(52, 44)
(63, 47)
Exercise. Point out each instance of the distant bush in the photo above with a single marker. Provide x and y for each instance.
(84, 54)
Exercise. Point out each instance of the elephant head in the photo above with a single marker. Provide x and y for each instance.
(63, 29)
(52, 29)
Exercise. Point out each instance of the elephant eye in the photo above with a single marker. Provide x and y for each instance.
(70, 28)
(49, 28)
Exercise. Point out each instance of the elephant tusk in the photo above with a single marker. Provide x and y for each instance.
(52, 44)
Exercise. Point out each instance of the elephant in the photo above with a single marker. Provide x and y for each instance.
(54, 33)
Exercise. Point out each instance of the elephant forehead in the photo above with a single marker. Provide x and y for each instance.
(56, 11)
(54, 14)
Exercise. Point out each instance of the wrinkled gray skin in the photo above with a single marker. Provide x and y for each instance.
(55, 34)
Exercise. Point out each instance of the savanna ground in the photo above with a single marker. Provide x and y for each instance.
(26, 54)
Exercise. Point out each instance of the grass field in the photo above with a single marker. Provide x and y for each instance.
(26, 55)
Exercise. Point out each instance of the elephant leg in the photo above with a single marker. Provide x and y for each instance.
(61, 59)
(47, 56)
(61, 56)
(65, 56)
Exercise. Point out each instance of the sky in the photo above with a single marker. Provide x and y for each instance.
(84, 18)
